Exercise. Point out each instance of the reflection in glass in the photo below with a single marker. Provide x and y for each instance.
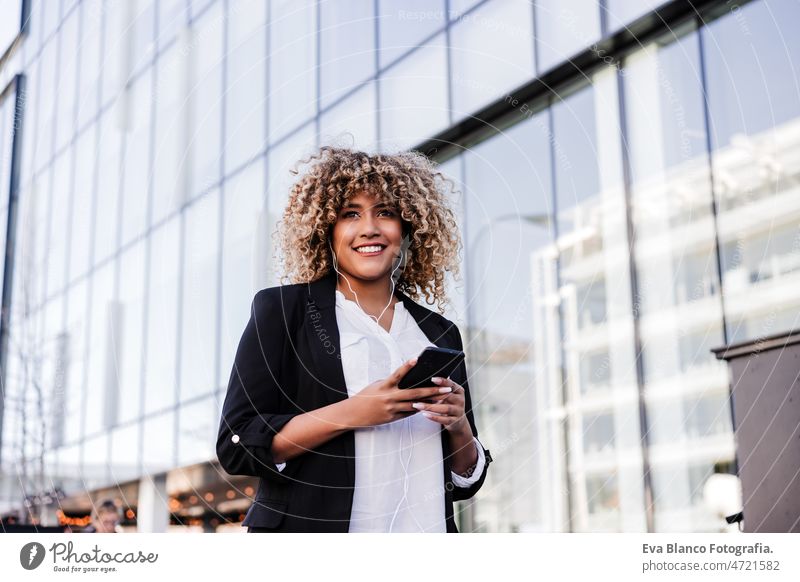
(162, 317)
(100, 389)
(198, 424)
(564, 28)
(204, 101)
(81, 225)
(245, 83)
(124, 463)
(414, 97)
(59, 207)
(507, 204)
(199, 301)
(77, 335)
(169, 158)
(131, 304)
(292, 65)
(585, 308)
(622, 12)
(755, 115)
(678, 291)
(243, 208)
(94, 469)
(352, 122)
(90, 59)
(106, 162)
(136, 157)
(404, 25)
(159, 451)
(491, 53)
(347, 39)
(67, 80)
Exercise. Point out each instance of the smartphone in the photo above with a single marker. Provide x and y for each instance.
(431, 362)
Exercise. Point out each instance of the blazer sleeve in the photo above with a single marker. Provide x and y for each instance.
(461, 493)
(251, 413)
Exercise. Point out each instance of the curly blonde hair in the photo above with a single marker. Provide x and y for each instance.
(408, 181)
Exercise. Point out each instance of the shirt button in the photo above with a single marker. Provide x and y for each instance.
(235, 439)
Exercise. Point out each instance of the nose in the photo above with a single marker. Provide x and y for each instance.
(369, 225)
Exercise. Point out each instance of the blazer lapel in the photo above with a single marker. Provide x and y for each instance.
(322, 331)
(323, 337)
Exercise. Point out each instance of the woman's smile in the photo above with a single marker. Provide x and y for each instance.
(370, 250)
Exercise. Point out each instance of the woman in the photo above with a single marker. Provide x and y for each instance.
(313, 406)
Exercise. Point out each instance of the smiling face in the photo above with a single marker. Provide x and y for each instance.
(366, 223)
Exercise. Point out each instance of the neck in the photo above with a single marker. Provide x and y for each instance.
(377, 292)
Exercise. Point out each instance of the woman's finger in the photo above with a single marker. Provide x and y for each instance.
(446, 409)
(439, 381)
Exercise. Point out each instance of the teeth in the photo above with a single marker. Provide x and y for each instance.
(369, 249)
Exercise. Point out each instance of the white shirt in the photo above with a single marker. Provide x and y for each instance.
(384, 499)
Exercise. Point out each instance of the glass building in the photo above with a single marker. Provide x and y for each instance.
(629, 195)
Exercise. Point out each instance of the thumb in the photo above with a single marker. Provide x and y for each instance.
(398, 374)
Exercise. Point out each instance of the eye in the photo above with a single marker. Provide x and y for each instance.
(389, 212)
(348, 213)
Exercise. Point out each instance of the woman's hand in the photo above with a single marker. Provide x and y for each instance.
(448, 410)
(382, 401)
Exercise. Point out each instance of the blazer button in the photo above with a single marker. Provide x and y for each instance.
(235, 439)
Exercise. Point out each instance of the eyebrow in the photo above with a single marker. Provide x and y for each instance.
(355, 205)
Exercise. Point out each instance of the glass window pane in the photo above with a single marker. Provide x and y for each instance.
(125, 454)
(172, 16)
(353, 121)
(492, 53)
(118, 34)
(603, 502)
(131, 300)
(754, 107)
(347, 38)
(102, 349)
(108, 159)
(95, 462)
(406, 24)
(77, 334)
(170, 160)
(507, 198)
(46, 106)
(244, 203)
(59, 233)
(9, 25)
(136, 158)
(564, 28)
(246, 84)
(199, 303)
(595, 311)
(90, 58)
(292, 65)
(83, 203)
(679, 307)
(198, 432)
(414, 97)
(622, 12)
(67, 80)
(280, 160)
(142, 15)
(205, 58)
(162, 317)
(158, 454)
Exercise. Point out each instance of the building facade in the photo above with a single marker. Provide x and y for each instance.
(627, 176)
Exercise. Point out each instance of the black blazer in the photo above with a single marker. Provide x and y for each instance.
(288, 362)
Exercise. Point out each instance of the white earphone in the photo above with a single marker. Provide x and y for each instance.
(406, 421)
